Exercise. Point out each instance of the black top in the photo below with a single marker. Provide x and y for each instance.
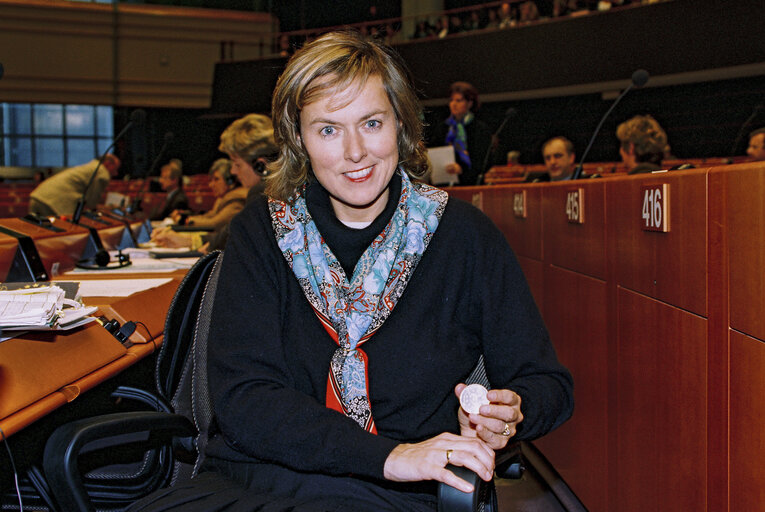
(478, 138)
(269, 355)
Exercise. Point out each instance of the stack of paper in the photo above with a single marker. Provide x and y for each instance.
(40, 307)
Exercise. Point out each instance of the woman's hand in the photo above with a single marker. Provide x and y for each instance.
(166, 237)
(453, 168)
(496, 422)
(176, 215)
(427, 460)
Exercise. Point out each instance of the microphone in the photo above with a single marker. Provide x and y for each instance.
(136, 117)
(136, 205)
(639, 79)
(740, 134)
(510, 112)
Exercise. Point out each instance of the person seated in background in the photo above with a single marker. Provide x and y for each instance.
(353, 301)
(230, 199)
(249, 144)
(470, 137)
(642, 144)
(171, 181)
(756, 149)
(559, 157)
(59, 194)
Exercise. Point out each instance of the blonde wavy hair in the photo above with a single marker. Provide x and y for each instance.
(647, 135)
(249, 137)
(331, 63)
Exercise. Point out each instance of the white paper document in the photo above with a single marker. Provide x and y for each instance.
(118, 287)
(439, 158)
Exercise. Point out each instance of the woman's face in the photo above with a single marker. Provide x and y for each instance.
(459, 106)
(218, 184)
(351, 137)
(243, 171)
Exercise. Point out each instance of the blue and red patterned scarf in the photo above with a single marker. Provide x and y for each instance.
(352, 311)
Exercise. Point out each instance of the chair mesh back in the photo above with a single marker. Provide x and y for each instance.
(478, 375)
(179, 326)
(191, 398)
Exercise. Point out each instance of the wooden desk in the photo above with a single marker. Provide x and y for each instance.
(59, 251)
(41, 372)
(8, 247)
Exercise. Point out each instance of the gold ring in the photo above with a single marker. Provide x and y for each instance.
(506, 432)
(448, 456)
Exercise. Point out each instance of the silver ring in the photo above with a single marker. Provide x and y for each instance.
(448, 456)
(506, 432)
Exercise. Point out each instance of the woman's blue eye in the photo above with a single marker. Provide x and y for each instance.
(373, 123)
(327, 130)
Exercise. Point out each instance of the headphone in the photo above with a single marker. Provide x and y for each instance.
(101, 260)
(230, 179)
(259, 166)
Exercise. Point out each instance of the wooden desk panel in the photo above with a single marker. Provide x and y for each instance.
(8, 247)
(41, 372)
(38, 364)
(523, 233)
(578, 247)
(745, 201)
(575, 312)
(660, 455)
(747, 435)
(671, 267)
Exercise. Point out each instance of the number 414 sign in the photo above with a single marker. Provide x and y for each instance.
(655, 212)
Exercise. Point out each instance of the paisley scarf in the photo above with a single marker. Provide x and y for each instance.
(352, 310)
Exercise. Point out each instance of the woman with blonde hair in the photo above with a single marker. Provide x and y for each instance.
(351, 306)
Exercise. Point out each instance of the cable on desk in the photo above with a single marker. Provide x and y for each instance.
(13, 466)
(151, 338)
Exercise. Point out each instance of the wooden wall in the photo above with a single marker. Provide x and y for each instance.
(664, 332)
(121, 54)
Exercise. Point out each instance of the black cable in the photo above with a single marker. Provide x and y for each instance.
(151, 337)
(13, 466)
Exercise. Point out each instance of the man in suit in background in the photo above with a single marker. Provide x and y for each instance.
(59, 194)
(756, 149)
(559, 157)
(171, 181)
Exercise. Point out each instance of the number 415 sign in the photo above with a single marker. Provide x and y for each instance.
(655, 212)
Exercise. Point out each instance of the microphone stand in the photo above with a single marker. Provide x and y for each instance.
(135, 117)
(639, 79)
(510, 112)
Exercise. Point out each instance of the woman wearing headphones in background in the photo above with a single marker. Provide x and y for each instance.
(230, 198)
(249, 143)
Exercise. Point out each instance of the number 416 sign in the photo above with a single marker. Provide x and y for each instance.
(655, 212)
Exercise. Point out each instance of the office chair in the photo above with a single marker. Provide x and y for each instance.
(183, 427)
(78, 457)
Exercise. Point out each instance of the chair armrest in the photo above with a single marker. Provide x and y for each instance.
(70, 440)
(454, 500)
(508, 464)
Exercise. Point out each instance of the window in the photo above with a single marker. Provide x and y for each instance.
(52, 135)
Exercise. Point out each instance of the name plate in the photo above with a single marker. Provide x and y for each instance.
(519, 204)
(654, 215)
(575, 206)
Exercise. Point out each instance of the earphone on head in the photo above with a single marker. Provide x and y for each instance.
(230, 179)
(260, 168)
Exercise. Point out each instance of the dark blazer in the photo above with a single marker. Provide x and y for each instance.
(478, 137)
